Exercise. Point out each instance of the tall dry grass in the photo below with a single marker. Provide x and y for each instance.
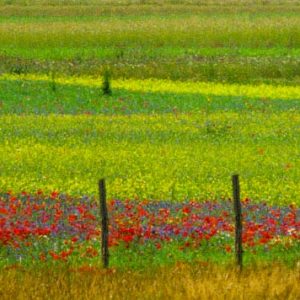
(178, 282)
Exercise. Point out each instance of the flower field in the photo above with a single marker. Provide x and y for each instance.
(42, 228)
(168, 156)
(165, 100)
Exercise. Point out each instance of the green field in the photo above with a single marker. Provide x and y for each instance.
(232, 42)
(154, 137)
(201, 90)
(149, 144)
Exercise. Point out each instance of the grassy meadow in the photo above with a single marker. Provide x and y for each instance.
(200, 90)
(241, 42)
(154, 139)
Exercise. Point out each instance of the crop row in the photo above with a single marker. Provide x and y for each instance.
(152, 85)
(46, 97)
(121, 8)
(155, 31)
(130, 64)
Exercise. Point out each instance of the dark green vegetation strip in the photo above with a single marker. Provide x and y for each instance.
(64, 8)
(36, 97)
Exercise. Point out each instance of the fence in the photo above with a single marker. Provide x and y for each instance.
(238, 222)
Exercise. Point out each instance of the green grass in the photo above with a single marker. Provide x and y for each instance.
(146, 257)
(190, 30)
(225, 69)
(37, 97)
(224, 42)
(114, 53)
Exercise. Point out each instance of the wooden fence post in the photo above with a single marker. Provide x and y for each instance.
(104, 224)
(238, 221)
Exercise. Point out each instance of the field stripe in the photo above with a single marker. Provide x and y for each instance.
(167, 86)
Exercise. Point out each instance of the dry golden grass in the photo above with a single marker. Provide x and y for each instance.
(182, 281)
